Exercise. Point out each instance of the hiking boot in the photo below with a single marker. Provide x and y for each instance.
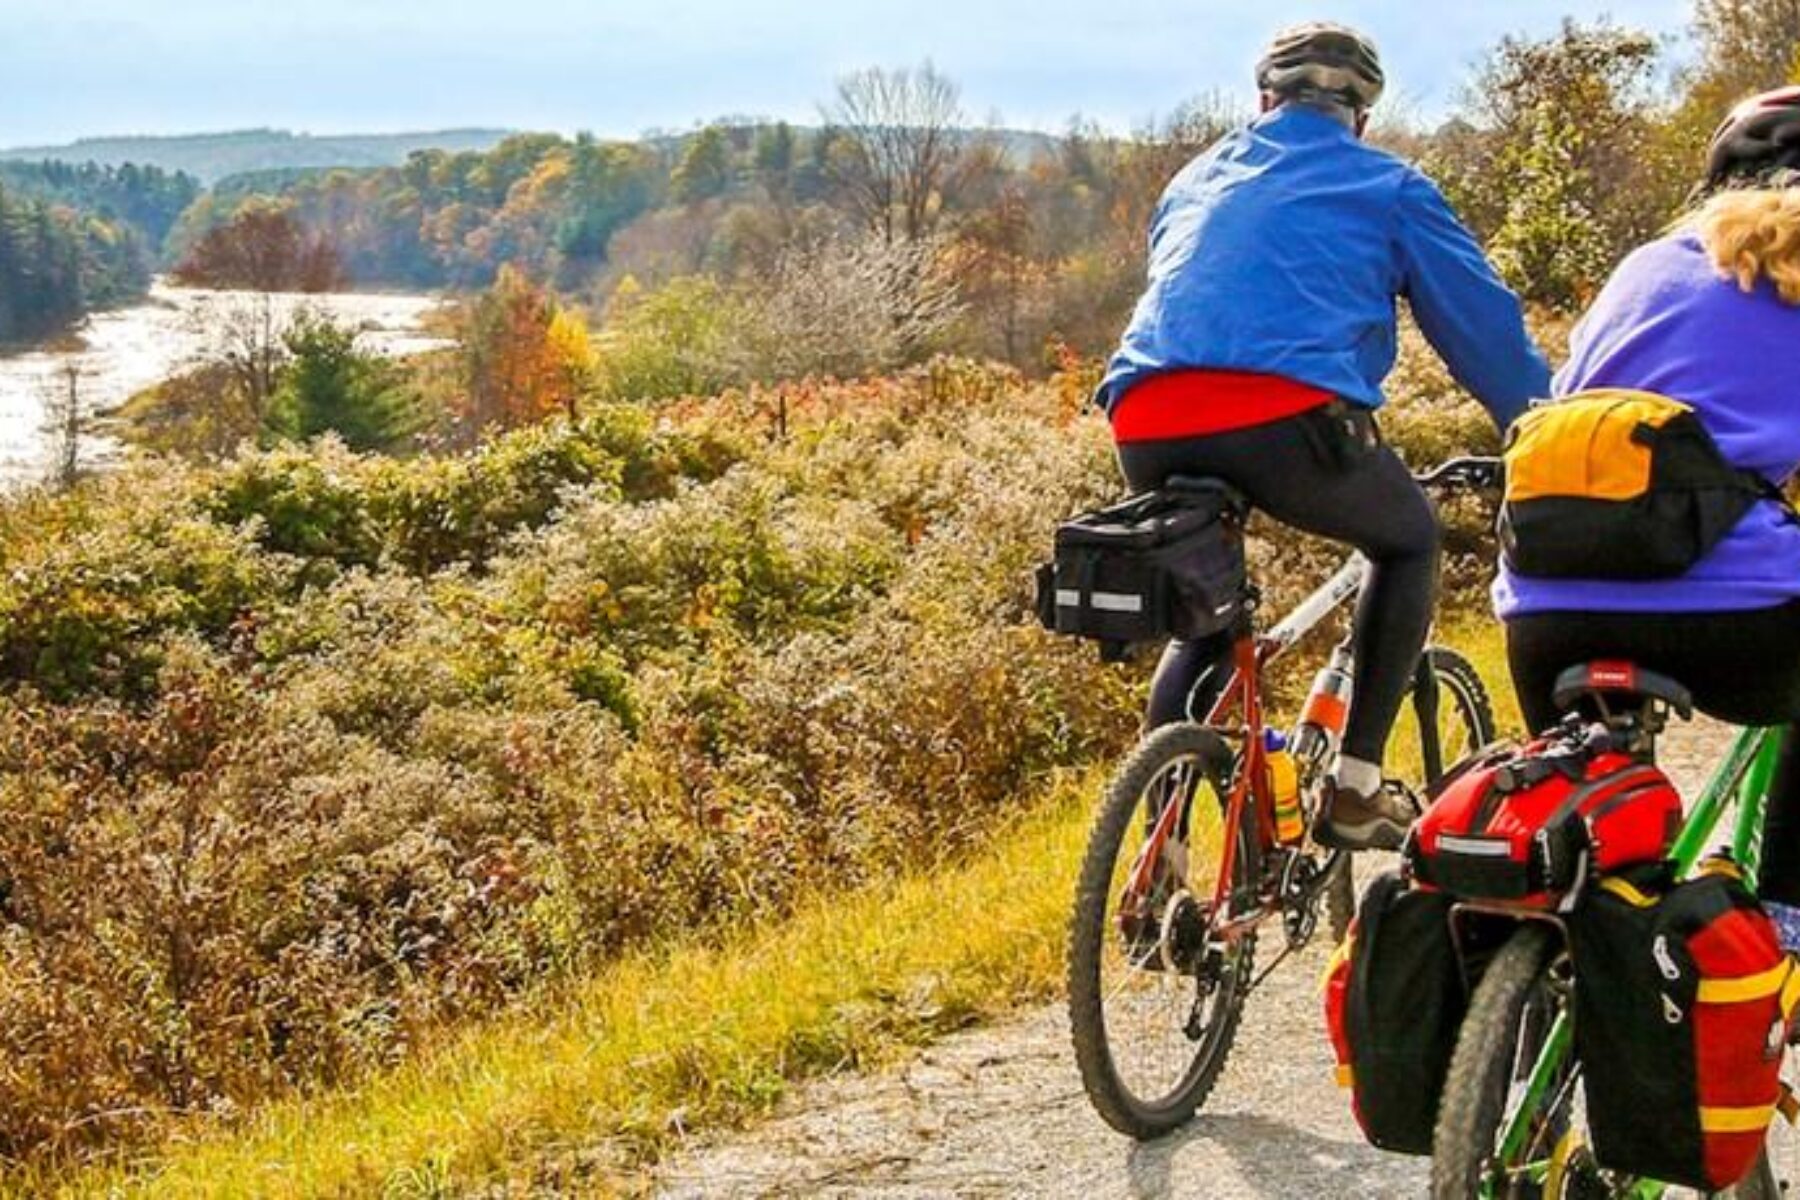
(1349, 820)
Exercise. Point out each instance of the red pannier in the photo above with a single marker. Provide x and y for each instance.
(1528, 825)
(1682, 1002)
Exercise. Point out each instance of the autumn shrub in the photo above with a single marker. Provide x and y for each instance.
(682, 339)
(89, 589)
(308, 755)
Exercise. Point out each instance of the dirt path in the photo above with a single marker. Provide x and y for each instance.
(999, 1112)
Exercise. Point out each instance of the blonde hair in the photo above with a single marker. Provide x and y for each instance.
(1753, 233)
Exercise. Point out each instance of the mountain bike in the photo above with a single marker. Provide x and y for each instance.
(1183, 867)
(1511, 1117)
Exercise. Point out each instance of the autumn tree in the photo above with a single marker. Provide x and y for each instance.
(246, 339)
(844, 306)
(1746, 46)
(893, 148)
(262, 248)
(1560, 157)
(224, 394)
(992, 258)
(773, 160)
(67, 421)
(524, 356)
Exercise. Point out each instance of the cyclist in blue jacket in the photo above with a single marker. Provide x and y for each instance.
(1257, 352)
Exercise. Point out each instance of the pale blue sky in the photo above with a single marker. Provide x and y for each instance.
(88, 67)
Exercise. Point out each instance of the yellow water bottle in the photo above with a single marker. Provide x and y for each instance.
(1284, 788)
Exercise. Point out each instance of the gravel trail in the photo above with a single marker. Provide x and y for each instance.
(999, 1111)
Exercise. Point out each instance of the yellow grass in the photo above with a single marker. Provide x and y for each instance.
(570, 1098)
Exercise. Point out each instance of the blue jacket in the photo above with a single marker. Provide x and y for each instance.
(1281, 249)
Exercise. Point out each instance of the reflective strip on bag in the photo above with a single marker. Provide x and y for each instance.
(1346, 1075)
(1745, 987)
(1101, 601)
(1478, 847)
(1754, 1119)
(1117, 601)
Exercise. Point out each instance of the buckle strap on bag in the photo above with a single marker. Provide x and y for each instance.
(1745, 987)
(1753, 1119)
(1625, 891)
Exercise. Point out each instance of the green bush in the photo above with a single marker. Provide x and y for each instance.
(428, 513)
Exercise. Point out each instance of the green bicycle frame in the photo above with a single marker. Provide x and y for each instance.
(1744, 776)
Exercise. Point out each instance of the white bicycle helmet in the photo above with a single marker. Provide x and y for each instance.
(1325, 59)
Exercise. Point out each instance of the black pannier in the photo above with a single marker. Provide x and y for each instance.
(1395, 995)
(1167, 563)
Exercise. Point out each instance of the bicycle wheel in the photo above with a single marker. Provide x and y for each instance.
(1500, 1039)
(1520, 995)
(1153, 1003)
(1777, 1172)
(1446, 716)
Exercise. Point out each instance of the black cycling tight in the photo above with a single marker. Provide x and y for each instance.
(1325, 472)
(1742, 667)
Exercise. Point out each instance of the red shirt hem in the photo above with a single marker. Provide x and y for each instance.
(1194, 403)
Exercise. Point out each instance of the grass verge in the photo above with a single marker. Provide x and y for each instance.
(571, 1098)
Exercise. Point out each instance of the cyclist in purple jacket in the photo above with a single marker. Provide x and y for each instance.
(1708, 315)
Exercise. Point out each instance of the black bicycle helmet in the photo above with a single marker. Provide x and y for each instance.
(1757, 141)
(1324, 59)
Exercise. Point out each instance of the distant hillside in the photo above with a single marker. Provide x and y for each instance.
(212, 156)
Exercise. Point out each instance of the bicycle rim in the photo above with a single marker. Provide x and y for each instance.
(1154, 1000)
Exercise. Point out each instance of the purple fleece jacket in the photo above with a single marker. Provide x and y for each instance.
(1667, 322)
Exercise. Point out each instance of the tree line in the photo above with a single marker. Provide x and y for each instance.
(57, 263)
(1563, 152)
(76, 238)
(147, 199)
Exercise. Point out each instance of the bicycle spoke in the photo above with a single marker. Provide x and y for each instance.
(1152, 994)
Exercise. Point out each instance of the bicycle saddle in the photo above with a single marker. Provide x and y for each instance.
(1603, 678)
(1206, 483)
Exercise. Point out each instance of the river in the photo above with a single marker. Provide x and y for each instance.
(129, 349)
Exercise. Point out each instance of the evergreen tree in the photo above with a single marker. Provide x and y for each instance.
(330, 386)
(705, 167)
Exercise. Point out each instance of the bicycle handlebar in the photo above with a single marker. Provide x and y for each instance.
(1476, 472)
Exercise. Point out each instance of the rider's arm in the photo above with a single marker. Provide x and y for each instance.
(1469, 316)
